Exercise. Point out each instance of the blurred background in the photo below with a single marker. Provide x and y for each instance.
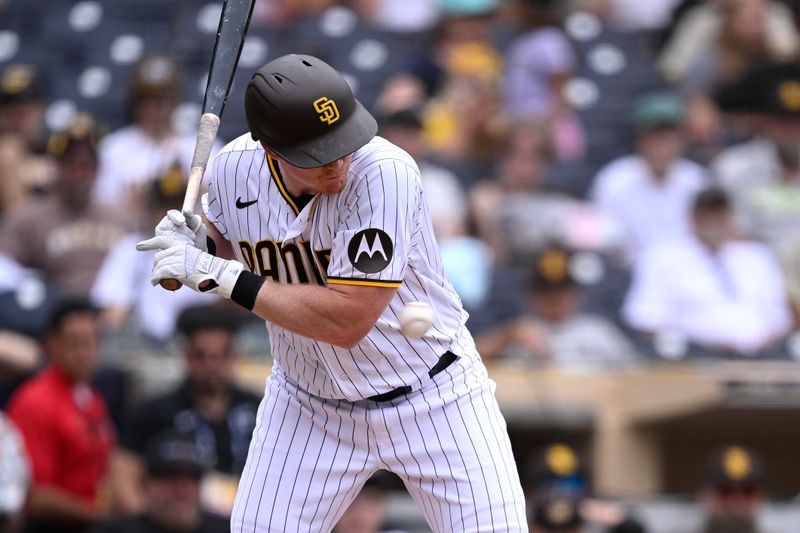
(615, 186)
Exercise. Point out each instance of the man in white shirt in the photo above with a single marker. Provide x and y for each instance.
(648, 193)
(708, 287)
(134, 156)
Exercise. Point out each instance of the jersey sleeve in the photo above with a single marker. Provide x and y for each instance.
(211, 203)
(372, 240)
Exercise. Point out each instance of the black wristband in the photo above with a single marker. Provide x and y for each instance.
(246, 289)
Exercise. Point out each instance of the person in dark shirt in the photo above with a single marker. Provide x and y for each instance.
(175, 465)
(207, 405)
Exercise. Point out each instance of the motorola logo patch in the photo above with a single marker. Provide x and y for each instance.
(370, 250)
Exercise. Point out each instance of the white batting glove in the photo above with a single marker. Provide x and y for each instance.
(183, 227)
(195, 268)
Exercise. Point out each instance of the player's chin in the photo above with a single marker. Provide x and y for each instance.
(333, 186)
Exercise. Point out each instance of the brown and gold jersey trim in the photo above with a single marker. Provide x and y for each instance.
(278, 178)
(366, 282)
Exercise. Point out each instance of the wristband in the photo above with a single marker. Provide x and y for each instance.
(246, 288)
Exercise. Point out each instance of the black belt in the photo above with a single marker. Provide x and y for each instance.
(444, 361)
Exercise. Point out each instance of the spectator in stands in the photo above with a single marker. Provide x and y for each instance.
(132, 157)
(122, 288)
(733, 490)
(63, 419)
(24, 168)
(489, 289)
(15, 476)
(464, 120)
(575, 338)
(648, 193)
(709, 287)
(763, 175)
(174, 468)
(556, 329)
(207, 404)
(790, 262)
(558, 474)
(729, 29)
(559, 466)
(517, 215)
(539, 63)
(367, 513)
(62, 235)
(555, 511)
(403, 127)
(716, 43)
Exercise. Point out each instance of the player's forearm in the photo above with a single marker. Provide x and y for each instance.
(222, 248)
(321, 313)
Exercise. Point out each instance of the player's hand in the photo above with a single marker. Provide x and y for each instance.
(183, 227)
(191, 266)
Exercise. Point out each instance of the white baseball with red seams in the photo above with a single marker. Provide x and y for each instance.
(415, 319)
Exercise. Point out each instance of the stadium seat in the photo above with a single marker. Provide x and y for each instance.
(11, 46)
(142, 11)
(194, 32)
(614, 68)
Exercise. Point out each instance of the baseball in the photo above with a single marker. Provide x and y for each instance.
(415, 319)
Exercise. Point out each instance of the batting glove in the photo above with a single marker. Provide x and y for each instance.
(191, 266)
(183, 227)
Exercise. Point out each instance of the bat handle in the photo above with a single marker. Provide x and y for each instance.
(206, 133)
(170, 284)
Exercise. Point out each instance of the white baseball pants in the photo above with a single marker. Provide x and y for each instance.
(310, 456)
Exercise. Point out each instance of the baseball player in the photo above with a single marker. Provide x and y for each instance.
(330, 238)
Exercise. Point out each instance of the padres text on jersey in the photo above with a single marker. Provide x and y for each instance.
(376, 231)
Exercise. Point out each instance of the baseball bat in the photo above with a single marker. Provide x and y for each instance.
(231, 32)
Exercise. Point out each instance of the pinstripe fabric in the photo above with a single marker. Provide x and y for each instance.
(317, 440)
(383, 191)
(310, 456)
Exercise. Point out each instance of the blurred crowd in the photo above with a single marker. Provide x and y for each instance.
(613, 183)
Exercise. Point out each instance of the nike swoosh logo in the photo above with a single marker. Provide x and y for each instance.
(241, 205)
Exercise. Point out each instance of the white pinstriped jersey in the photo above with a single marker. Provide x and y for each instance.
(376, 231)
